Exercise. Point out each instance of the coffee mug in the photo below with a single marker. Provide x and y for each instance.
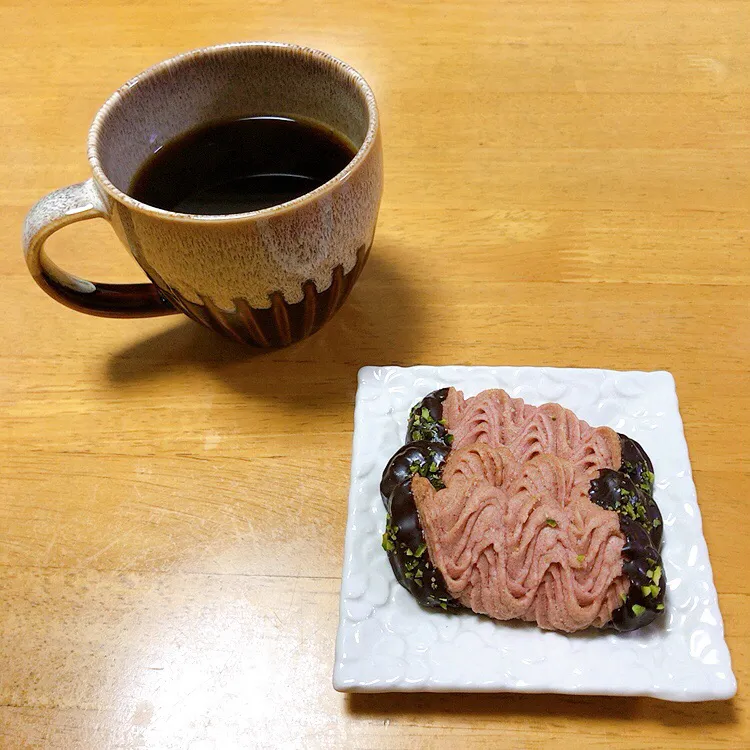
(268, 277)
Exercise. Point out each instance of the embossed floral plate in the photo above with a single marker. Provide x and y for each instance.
(387, 642)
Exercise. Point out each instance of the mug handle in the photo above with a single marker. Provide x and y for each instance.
(66, 206)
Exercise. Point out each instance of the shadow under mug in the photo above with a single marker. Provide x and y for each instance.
(268, 277)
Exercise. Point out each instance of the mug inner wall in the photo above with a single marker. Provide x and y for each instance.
(223, 84)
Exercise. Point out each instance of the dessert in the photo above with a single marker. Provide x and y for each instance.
(523, 512)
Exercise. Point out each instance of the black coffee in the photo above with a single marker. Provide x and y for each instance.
(241, 165)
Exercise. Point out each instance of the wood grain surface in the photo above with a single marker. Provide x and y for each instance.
(567, 183)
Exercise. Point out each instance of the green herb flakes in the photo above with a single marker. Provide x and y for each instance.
(551, 522)
(389, 536)
(638, 609)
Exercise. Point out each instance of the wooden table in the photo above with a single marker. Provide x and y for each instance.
(566, 184)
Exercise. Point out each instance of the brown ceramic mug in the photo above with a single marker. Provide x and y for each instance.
(267, 277)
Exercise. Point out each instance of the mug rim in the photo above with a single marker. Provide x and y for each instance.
(340, 177)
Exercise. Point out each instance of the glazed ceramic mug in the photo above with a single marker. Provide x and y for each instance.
(267, 277)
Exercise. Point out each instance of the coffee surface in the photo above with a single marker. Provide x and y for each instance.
(240, 165)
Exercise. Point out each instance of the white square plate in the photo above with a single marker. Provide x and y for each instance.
(387, 642)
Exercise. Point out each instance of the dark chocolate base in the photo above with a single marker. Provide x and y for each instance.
(424, 454)
(629, 492)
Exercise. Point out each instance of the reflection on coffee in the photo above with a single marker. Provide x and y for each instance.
(240, 165)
